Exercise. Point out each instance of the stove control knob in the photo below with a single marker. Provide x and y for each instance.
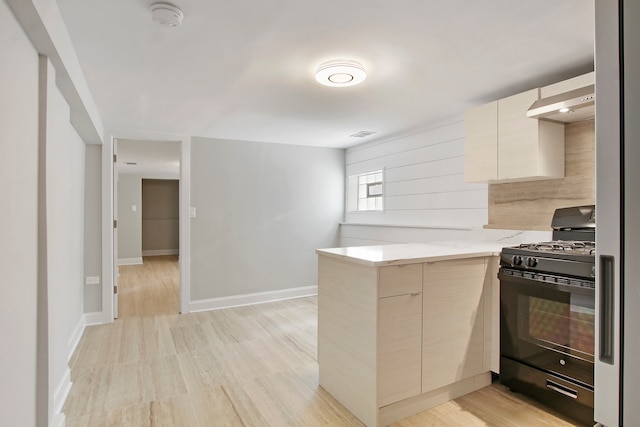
(516, 260)
(531, 262)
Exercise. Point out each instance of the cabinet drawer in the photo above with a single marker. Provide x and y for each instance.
(400, 280)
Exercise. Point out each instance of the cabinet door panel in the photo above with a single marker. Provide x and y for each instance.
(517, 136)
(481, 143)
(453, 322)
(399, 348)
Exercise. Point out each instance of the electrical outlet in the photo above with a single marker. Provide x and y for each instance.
(92, 280)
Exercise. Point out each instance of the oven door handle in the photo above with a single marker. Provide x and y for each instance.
(559, 388)
(607, 281)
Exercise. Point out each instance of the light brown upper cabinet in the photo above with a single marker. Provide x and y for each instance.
(503, 145)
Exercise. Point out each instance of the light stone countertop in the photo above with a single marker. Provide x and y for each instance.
(412, 253)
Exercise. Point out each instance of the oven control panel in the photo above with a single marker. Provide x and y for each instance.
(548, 278)
(542, 264)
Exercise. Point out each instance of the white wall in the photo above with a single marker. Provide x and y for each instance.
(42, 232)
(262, 210)
(19, 224)
(424, 179)
(65, 155)
(426, 198)
(424, 187)
(631, 409)
(129, 221)
(42, 191)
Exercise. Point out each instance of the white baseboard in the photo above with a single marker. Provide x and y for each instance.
(95, 318)
(129, 261)
(76, 335)
(59, 397)
(160, 252)
(250, 299)
(57, 420)
(64, 386)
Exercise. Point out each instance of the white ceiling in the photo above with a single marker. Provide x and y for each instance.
(244, 69)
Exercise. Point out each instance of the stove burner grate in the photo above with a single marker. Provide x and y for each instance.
(561, 246)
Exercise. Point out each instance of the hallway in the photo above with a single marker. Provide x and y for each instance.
(149, 289)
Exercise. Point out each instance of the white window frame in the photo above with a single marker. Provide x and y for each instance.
(359, 197)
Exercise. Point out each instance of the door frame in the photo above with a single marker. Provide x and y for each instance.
(108, 179)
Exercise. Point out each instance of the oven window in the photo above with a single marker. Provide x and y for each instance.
(565, 327)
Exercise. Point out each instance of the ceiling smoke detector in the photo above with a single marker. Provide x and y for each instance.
(166, 15)
(341, 73)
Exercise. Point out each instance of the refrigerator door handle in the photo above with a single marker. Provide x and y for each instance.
(607, 280)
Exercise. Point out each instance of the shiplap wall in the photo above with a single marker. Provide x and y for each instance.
(425, 194)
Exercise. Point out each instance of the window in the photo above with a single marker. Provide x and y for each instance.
(365, 192)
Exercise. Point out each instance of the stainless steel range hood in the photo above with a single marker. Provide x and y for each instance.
(577, 105)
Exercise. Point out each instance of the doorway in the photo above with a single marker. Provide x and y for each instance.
(149, 289)
(146, 197)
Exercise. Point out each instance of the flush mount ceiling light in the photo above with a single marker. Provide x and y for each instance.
(340, 73)
(166, 15)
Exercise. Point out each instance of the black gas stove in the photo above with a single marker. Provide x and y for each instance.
(547, 312)
(574, 257)
(559, 257)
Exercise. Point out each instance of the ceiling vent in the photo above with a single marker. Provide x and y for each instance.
(166, 15)
(362, 134)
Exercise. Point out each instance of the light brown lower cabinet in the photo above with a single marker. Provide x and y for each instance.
(399, 347)
(397, 340)
(453, 321)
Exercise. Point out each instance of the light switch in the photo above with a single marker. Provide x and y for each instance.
(192, 212)
(92, 280)
(134, 208)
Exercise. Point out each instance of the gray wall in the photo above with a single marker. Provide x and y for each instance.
(262, 211)
(160, 217)
(93, 226)
(129, 222)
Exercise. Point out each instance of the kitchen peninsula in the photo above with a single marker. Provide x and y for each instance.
(405, 327)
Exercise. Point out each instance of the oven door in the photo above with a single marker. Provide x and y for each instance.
(548, 326)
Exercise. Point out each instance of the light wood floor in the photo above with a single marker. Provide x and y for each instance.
(246, 366)
(149, 289)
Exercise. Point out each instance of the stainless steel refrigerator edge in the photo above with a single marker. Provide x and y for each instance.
(617, 63)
